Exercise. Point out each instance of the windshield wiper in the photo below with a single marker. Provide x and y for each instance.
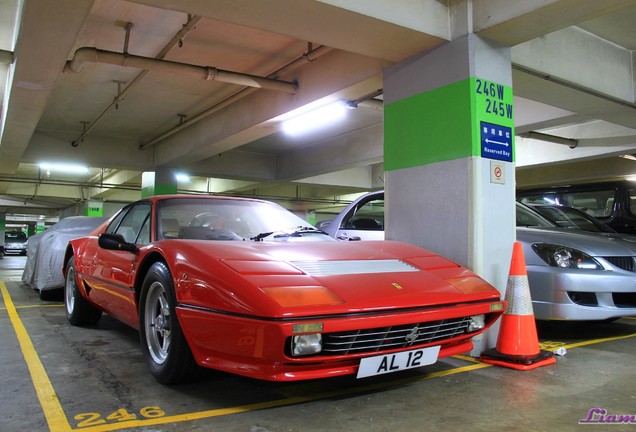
(294, 232)
(261, 236)
(299, 231)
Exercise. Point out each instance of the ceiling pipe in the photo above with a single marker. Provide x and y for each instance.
(294, 64)
(570, 142)
(573, 86)
(95, 55)
(177, 39)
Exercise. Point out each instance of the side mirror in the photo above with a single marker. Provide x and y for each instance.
(115, 242)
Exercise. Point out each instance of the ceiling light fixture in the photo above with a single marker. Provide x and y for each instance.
(182, 178)
(65, 168)
(315, 119)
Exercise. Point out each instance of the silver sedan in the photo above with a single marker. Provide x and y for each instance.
(576, 275)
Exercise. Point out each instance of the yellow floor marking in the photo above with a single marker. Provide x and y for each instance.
(35, 306)
(467, 358)
(597, 341)
(49, 401)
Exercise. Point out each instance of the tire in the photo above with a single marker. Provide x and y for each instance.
(164, 346)
(79, 311)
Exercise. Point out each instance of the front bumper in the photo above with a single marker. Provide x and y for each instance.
(258, 347)
(15, 248)
(581, 295)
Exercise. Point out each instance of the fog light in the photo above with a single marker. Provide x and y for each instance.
(306, 344)
(477, 322)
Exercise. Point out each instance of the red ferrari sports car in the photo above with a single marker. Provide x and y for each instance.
(245, 286)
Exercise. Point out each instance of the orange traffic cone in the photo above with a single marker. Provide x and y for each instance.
(518, 343)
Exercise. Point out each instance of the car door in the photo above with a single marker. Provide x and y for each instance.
(116, 269)
(364, 220)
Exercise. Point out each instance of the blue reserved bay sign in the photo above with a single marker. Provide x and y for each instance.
(496, 142)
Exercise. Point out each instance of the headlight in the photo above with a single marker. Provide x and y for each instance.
(565, 257)
(477, 322)
(306, 344)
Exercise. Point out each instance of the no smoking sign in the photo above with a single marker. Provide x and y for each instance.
(497, 172)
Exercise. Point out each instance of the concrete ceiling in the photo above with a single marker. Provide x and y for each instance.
(573, 77)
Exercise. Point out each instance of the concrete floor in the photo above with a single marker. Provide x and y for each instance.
(59, 378)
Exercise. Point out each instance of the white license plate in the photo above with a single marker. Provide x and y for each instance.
(388, 363)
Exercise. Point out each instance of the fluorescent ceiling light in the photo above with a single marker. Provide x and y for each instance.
(315, 119)
(66, 168)
(183, 178)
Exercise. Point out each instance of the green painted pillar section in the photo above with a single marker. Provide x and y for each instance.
(31, 229)
(449, 157)
(160, 182)
(40, 227)
(95, 208)
(448, 123)
(310, 217)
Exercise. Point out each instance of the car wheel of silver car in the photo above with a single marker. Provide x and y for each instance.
(78, 310)
(164, 346)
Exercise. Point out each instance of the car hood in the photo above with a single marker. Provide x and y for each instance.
(593, 244)
(362, 276)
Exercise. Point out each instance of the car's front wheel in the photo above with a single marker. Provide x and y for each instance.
(79, 311)
(164, 346)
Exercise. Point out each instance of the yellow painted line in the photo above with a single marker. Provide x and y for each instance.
(597, 341)
(467, 358)
(49, 401)
(36, 306)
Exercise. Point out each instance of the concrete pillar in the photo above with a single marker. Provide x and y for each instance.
(3, 218)
(449, 157)
(160, 182)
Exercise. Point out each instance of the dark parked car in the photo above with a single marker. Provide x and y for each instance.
(613, 203)
(15, 242)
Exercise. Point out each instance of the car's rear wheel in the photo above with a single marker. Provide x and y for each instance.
(164, 346)
(79, 311)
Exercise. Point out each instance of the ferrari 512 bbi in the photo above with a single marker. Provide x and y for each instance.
(245, 286)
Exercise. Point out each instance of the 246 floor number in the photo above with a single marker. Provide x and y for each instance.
(121, 415)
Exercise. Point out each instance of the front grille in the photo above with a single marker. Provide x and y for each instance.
(624, 300)
(384, 338)
(626, 263)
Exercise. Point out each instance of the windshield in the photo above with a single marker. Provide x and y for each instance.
(527, 217)
(571, 218)
(232, 219)
(15, 236)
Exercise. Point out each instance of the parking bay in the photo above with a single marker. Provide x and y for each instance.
(58, 377)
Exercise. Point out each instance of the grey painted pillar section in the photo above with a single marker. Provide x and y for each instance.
(451, 204)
